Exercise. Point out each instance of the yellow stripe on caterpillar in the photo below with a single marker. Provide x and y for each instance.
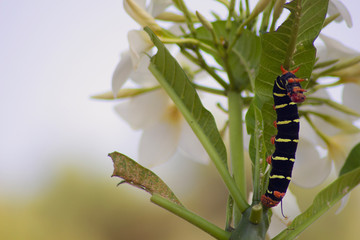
(282, 140)
(279, 94)
(279, 158)
(280, 177)
(284, 105)
(279, 85)
(286, 140)
(280, 106)
(283, 122)
(287, 121)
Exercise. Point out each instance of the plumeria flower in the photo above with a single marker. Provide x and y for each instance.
(337, 7)
(139, 41)
(145, 15)
(334, 49)
(164, 129)
(322, 145)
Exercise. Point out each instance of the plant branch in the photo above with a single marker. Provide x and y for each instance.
(237, 145)
(202, 63)
(191, 217)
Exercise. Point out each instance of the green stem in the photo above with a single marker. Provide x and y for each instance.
(209, 89)
(237, 144)
(293, 38)
(323, 136)
(188, 17)
(257, 176)
(201, 62)
(191, 217)
(231, 12)
(192, 41)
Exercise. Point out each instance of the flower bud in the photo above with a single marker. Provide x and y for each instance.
(204, 22)
(141, 16)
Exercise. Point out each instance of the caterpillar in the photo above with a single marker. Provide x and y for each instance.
(287, 92)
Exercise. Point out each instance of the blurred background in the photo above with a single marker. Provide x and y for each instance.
(54, 139)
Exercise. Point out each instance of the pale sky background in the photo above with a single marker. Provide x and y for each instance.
(53, 56)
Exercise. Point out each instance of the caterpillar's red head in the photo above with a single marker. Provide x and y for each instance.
(293, 87)
(296, 93)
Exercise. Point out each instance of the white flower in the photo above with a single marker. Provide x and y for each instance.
(337, 7)
(145, 15)
(320, 149)
(310, 168)
(139, 43)
(163, 128)
(333, 50)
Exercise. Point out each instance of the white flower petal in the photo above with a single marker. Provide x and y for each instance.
(308, 133)
(334, 50)
(158, 143)
(351, 93)
(122, 72)
(191, 145)
(139, 44)
(142, 75)
(143, 110)
(309, 169)
(336, 7)
(158, 6)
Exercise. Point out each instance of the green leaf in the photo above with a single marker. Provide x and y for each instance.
(244, 59)
(175, 82)
(291, 44)
(352, 161)
(141, 177)
(323, 201)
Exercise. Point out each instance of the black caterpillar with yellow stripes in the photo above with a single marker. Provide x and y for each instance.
(287, 92)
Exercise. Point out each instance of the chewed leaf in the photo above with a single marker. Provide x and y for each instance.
(141, 177)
